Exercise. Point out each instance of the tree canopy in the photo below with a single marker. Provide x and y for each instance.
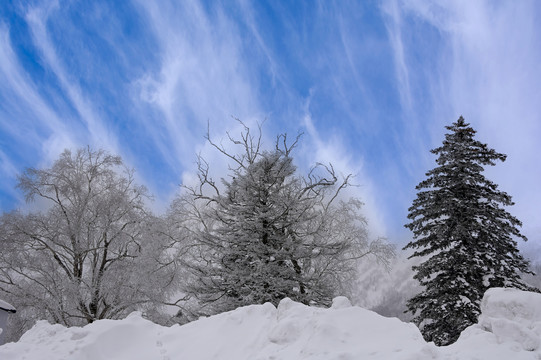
(268, 233)
(92, 252)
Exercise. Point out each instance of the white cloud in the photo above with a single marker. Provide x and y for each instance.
(330, 149)
(488, 71)
(203, 75)
(394, 29)
(23, 96)
(29, 121)
(37, 18)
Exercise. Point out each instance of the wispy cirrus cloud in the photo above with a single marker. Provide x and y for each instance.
(394, 26)
(486, 68)
(28, 117)
(217, 62)
(202, 76)
(44, 109)
(28, 122)
(328, 148)
(370, 85)
(37, 18)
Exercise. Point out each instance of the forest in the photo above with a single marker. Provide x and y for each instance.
(90, 248)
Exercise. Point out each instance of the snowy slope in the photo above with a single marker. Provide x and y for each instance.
(510, 328)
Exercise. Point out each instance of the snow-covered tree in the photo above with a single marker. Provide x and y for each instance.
(533, 279)
(268, 233)
(94, 253)
(464, 236)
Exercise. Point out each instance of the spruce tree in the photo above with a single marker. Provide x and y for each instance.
(464, 236)
(268, 232)
(254, 239)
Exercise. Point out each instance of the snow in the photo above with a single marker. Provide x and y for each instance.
(6, 306)
(512, 318)
(509, 328)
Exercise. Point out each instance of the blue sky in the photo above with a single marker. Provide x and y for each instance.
(371, 85)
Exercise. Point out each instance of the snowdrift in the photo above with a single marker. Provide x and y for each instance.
(510, 328)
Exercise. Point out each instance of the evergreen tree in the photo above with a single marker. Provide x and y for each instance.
(268, 233)
(464, 235)
(263, 251)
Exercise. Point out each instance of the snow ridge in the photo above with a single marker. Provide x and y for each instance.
(510, 328)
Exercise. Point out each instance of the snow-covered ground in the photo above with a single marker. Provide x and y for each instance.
(510, 328)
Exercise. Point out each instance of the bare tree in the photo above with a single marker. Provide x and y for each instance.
(266, 233)
(95, 253)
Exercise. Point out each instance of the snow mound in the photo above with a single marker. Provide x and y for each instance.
(512, 316)
(508, 329)
(6, 306)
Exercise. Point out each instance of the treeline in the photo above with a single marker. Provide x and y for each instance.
(262, 233)
(91, 249)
